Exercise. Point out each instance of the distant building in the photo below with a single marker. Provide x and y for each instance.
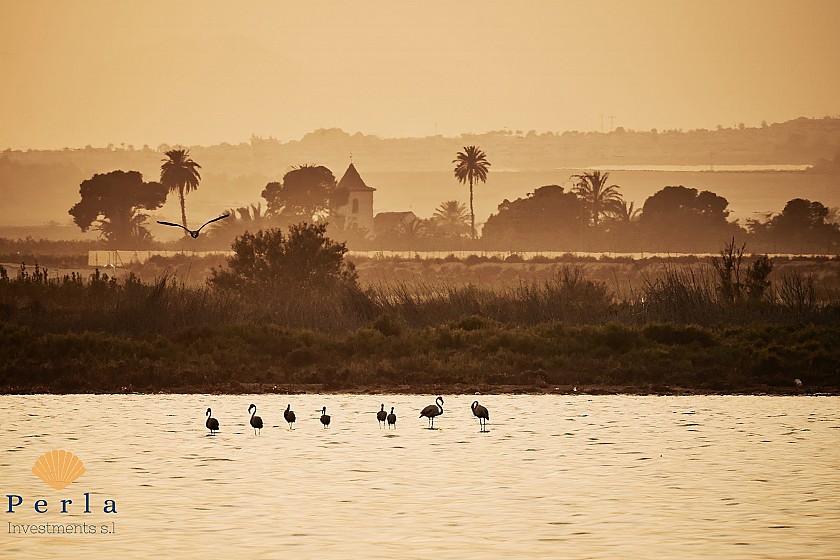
(388, 223)
(353, 203)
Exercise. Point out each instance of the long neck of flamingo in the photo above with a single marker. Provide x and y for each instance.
(440, 406)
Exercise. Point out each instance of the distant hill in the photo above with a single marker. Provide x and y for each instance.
(41, 185)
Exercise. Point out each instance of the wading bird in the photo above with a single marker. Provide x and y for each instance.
(381, 416)
(392, 419)
(431, 411)
(192, 233)
(325, 419)
(212, 424)
(289, 415)
(481, 413)
(256, 421)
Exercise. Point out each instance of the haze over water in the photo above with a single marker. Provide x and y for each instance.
(555, 477)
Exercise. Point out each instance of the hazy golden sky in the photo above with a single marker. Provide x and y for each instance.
(196, 72)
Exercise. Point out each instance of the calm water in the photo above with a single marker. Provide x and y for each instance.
(555, 477)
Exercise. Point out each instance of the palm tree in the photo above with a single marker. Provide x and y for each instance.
(623, 211)
(245, 218)
(180, 173)
(471, 166)
(411, 231)
(599, 198)
(452, 218)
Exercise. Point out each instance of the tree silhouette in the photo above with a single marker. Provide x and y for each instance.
(623, 211)
(471, 166)
(801, 224)
(180, 173)
(113, 202)
(242, 219)
(451, 219)
(590, 186)
(547, 219)
(411, 232)
(681, 218)
(305, 258)
(304, 193)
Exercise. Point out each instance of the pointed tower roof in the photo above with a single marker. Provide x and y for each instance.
(352, 181)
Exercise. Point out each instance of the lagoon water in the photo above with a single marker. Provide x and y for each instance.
(554, 477)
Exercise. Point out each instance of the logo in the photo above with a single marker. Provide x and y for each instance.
(58, 468)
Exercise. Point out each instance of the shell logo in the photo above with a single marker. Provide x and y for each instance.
(58, 468)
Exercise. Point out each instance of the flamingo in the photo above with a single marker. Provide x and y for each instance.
(289, 415)
(481, 413)
(256, 421)
(431, 411)
(325, 419)
(381, 416)
(212, 424)
(194, 233)
(392, 419)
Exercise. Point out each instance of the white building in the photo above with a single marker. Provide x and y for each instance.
(356, 210)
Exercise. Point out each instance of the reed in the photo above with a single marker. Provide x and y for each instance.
(98, 333)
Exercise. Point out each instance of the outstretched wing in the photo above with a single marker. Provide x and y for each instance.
(222, 217)
(171, 224)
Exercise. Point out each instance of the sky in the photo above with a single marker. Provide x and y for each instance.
(190, 72)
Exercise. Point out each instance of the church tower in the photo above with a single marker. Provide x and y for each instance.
(353, 203)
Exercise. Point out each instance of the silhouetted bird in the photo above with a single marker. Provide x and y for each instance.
(325, 419)
(381, 416)
(289, 415)
(192, 233)
(392, 419)
(256, 421)
(431, 411)
(481, 413)
(212, 424)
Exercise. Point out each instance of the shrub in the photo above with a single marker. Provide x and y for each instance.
(472, 323)
(305, 258)
(387, 325)
(676, 334)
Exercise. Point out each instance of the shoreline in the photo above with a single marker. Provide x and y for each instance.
(457, 389)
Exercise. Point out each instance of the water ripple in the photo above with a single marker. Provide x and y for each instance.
(555, 476)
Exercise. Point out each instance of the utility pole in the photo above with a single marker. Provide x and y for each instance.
(611, 123)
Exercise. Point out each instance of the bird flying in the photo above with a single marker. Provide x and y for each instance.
(192, 233)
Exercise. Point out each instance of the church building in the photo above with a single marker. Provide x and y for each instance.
(353, 205)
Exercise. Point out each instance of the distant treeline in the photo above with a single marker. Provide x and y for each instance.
(798, 141)
(590, 216)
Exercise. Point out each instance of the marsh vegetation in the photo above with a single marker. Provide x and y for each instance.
(725, 325)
